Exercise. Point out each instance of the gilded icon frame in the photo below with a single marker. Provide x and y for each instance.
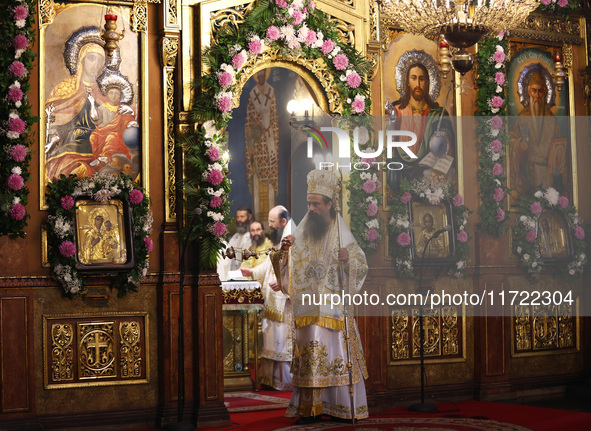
(103, 235)
(132, 17)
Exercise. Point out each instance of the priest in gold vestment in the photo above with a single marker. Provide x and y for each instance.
(325, 260)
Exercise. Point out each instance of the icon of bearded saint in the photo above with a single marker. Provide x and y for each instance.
(537, 147)
(418, 111)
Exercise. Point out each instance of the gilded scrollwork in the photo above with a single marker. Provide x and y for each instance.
(139, 17)
(242, 296)
(229, 17)
(172, 15)
(550, 29)
(450, 343)
(399, 332)
(346, 30)
(62, 353)
(567, 54)
(388, 32)
(130, 349)
(523, 339)
(545, 326)
(316, 67)
(431, 330)
(374, 21)
(46, 12)
(96, 350)
(566, 327)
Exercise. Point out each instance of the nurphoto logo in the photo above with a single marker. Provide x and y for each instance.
(386, 138)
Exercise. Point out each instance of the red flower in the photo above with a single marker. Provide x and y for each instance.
(67, 202)
(149, 244)
(136, 197)
(67, 249)
(15, 182)
(403, 239)
(17, 212)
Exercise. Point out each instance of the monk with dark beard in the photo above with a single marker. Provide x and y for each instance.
(537, 148)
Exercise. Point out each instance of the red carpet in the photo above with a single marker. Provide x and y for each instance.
(462, 416)
(239, 402)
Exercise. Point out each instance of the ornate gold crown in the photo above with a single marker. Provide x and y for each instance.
(323, 183)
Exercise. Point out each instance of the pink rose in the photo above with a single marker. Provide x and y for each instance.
(136, 196)
(536, 208)
(369, 186)
(20, 41)
(20, 12)
(67, 249)
(497, 169)
(403, 239)
(354, 80)
(458, 200)
(219, 229)
(499, 195)
(18, 69)
(214, 154)
(149, 244)
(225, 104)
(496, 122)
(531, 236)
(563, 201)
(215, 202)
(327, 46)
(499, 78)
(546, 2)
(17, 212)
(340, 61)
(311, 37)
(215, 177)
(255, 47)
(18, 153)
(358, 105)
(312, 5)
(497, 145)
(67, 202)
(15, 182)
(462, 236)
(579, 232)
(15, 94)
(372, 210)
(499, 56)
(281, 3)
(497, 102)
(500, 214)
(405, 198)
(562, 3)
(225, 79)
(372, 234)
(16, 125)
(297, 17)
(273, 33)
(238, 61)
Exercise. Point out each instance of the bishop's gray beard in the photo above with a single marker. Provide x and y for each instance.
(276, 235)
(316, 226)
(538, 110)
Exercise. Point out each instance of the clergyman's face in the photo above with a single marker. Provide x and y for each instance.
(261, 77)
(242, 216)
(256, 232)
(537, 92)
(417, 83)
(317, 205)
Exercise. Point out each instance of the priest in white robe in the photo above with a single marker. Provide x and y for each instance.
(325, 260)
(277, 321)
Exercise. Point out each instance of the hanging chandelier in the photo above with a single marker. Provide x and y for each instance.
(461, 22)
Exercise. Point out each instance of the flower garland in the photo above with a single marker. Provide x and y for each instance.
(491, 103)
(525, 233)
(16, 61)
(292, 26)
(563, 7)
(209, 189)
(434, 193)
(61, 198)
(363, 186)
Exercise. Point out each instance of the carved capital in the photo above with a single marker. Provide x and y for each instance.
(169, 48)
